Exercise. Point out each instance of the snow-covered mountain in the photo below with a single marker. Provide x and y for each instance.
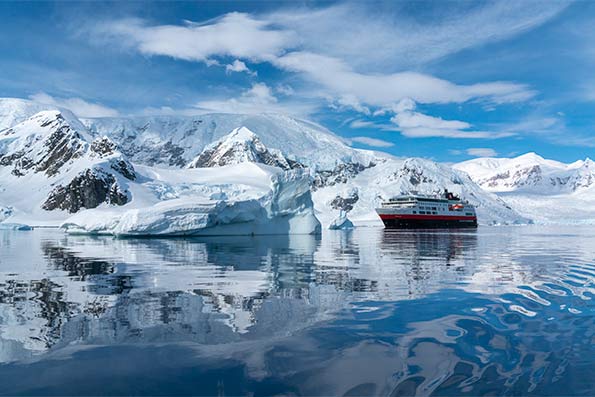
(52, 168)
(175, 141)
(48, 162)
(530, 173)
(139, 174)
(241, 146)
(546, 191)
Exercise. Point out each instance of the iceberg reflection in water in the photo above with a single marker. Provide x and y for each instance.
(365, 312)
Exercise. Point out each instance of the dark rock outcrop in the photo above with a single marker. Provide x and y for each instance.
(103, 147)
(160, 153)
(345, 203)
(88, 189)
(124, 168)
(413, 172)
(340, 174)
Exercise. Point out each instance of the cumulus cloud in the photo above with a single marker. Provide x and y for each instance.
(481, 152)
(373, 142)
(78, 106)
(238, 67)
(258, 99)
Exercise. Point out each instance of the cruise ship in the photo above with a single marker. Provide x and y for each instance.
(415, 211)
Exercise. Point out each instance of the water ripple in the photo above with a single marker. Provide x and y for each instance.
(495, 311)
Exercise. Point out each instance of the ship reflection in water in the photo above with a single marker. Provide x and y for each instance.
(366, 312)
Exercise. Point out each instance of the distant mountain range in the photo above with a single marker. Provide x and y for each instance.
(546, 191)
(530, 173)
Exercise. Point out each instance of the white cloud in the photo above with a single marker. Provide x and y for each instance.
(235, 34)
(329, 50)
(385, 90)
(414, 124)
(258, 99)
(344, 31)
(78, 106)
(481, 152)
(284, 89)
(404, 105)
(418, 125)
(409, 120)
(362, 124)
(238, 67)
(260, 93)
(285, 39)
(372, 141)
(376, 37)
(547, 126)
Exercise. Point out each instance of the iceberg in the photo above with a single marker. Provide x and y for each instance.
(14, 226)
(341, 223)
(286, 207)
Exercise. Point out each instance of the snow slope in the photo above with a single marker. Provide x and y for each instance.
(544, 190)
(361, 195)
(174, 141)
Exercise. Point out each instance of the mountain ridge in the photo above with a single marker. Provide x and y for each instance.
(546, 191)
(530, 173)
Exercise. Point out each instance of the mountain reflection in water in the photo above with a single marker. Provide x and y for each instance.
(366, 312)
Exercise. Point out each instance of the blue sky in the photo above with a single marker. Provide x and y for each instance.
(443, 80)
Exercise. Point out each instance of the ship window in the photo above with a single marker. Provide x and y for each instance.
(434, 208)
(422, 212)
(468, 213)
(415, 212)
(434, 212)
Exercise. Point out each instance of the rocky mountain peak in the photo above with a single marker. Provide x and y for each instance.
(88, 189)
(240, 146)
(43, 143)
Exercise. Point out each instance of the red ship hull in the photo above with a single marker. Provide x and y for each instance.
(410, 221)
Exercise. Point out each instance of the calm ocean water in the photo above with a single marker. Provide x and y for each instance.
(497, 311)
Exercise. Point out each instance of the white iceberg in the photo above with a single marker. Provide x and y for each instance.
(14, 226)
(269, 201)
(341, 222)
